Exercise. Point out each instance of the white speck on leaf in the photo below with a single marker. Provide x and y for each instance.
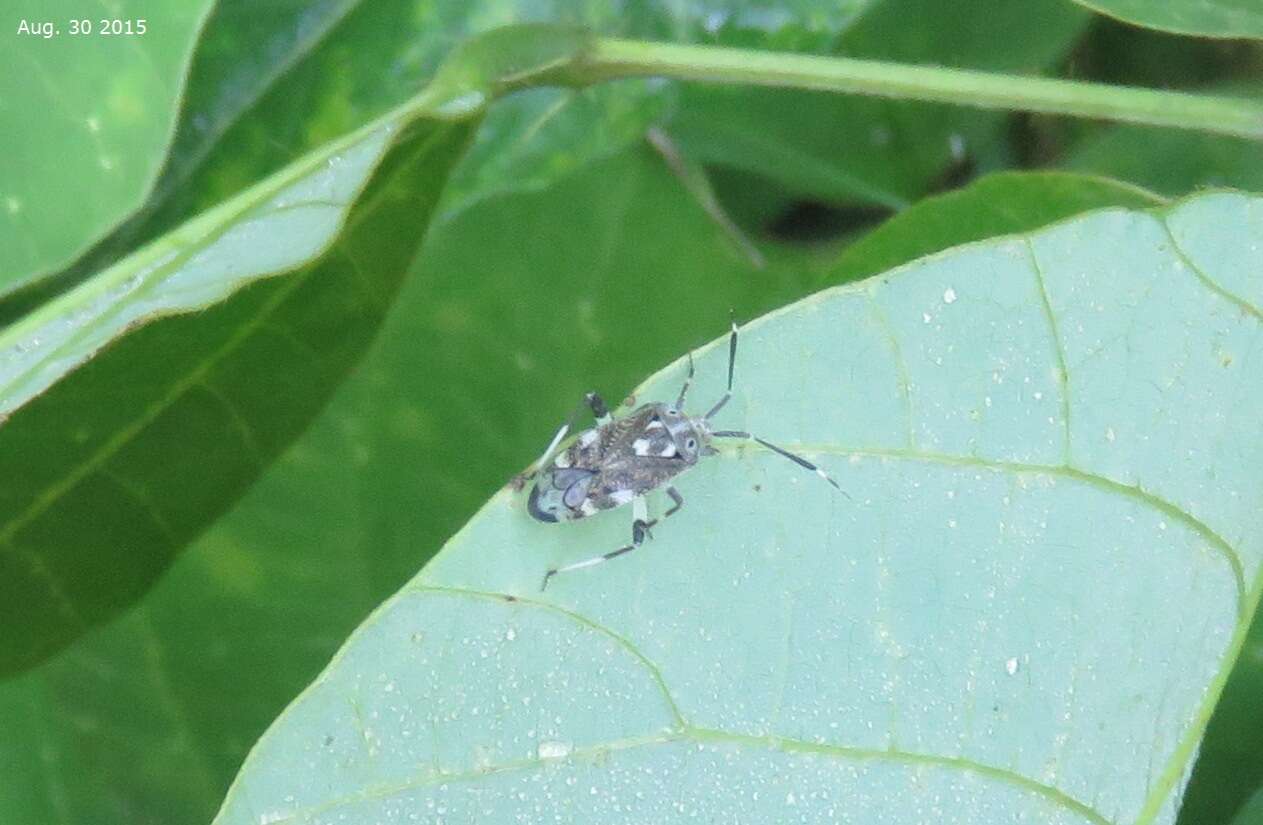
(551, 749)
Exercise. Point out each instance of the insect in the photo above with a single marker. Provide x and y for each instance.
(621, 460)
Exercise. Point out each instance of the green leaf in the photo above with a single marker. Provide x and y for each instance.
(850, 148)
(1207, 18)
(1252, 812)
(1170, 162)
(1046, 441)
(140, 405)
(999, 204)
(84, 120)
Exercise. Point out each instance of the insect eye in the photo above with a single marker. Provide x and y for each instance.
(691, 444)
(672, 413)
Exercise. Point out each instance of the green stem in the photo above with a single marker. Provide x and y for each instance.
(608, 59)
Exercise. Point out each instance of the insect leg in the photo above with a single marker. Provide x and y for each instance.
(640, 529)
(599, 410)
(678, 502)
(640, 515)
(797, 459)
(688, 379)
(732, 361)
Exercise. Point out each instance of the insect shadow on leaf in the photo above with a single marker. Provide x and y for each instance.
(621, 460)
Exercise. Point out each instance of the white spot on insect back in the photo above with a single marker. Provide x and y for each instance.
(587, 438)
(668, 451)
(640, 446)
(654, 425)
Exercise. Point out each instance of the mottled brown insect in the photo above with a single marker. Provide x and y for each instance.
(619, 461)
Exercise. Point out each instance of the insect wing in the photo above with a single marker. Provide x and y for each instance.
(560, 492)
(576, 484)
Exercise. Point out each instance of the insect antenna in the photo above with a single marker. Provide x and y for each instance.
(732, 362)
(797, 459)
(684, 390)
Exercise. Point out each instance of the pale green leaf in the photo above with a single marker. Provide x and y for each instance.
(85, 118)
(1047, 442)
(1208, 18)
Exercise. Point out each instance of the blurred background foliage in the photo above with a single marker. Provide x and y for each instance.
(570, 253)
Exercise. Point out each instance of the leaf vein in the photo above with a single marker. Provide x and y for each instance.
(901, 364)
(709, 736)
(1059, 349)
(1134, 491)
(142, 499)
(587, 623)
(38, 570)
(239, 423)
(1209, 282)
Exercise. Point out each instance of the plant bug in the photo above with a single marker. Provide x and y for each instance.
(621, 460)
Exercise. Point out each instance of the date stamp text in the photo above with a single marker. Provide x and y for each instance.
(83, 26)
